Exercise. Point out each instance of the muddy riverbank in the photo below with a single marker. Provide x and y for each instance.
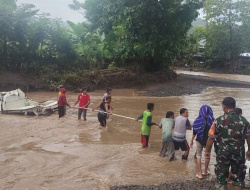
(191, 84)
(158, 84)
(92, 79)
(175, 185)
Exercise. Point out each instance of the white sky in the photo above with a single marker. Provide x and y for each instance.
(201, 14)
(60, 9)
(56, 9)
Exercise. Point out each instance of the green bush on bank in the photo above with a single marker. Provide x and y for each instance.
(247, 71)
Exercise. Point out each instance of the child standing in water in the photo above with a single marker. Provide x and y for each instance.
(146, 124)
(167, 125)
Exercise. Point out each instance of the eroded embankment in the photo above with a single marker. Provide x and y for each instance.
(187, 185)
(192, 84)
(95, 79)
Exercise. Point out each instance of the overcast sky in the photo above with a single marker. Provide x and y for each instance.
(56, 8)
(60, 9)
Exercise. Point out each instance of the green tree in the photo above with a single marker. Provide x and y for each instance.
(51, 43)
(10, 4)
(225, 37)
(245, 27)
(6, 33)
(151, 32)
(194, 45)
(197, 38)
(13, 39)
(29, 42)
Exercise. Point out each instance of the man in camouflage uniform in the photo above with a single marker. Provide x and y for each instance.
(230, 132)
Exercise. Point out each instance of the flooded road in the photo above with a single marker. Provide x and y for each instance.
(52, 153)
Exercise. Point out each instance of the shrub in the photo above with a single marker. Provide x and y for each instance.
(247, 71)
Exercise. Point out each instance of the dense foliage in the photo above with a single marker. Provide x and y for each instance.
(146, 34)
(227, 31)
(122, 33)
(30, 42)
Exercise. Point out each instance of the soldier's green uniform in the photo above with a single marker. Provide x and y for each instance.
(230, 132)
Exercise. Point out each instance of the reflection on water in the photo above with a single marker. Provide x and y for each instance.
(70, 153)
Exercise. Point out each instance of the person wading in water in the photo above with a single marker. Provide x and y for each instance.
(182, 124)
(201, 127)
(104, 111)
(62, 102)
(84, 100)
(146, 124)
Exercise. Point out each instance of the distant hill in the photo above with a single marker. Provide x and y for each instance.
(198, 22)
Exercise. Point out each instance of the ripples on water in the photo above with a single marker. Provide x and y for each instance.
(96, 156)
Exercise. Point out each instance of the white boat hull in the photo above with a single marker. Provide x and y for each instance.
(16, 102)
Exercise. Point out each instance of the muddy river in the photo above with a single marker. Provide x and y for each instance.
(52, 153)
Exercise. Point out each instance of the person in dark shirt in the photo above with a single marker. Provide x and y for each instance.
(104, 111)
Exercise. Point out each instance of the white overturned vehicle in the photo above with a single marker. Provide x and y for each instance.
(16, 102)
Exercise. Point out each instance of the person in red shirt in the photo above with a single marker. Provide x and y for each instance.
(62, 102)
(84, 100)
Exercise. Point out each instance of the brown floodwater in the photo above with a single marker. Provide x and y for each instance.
(52, 153)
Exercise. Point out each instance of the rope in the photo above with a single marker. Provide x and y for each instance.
(109, 113)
